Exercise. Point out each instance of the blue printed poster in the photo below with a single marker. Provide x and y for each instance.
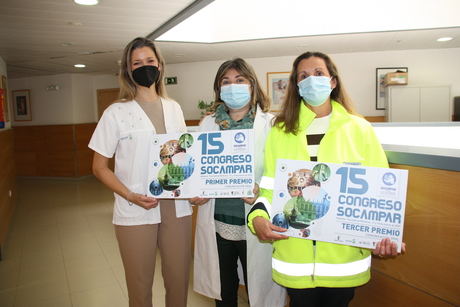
(204, 164)
(339, 203)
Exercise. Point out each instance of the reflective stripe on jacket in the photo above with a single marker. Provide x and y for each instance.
(298, 263)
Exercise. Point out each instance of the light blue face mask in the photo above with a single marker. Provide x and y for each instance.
(235, 96)
(315, 90)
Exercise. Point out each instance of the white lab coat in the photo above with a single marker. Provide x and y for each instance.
(263, 292)
(125, 130)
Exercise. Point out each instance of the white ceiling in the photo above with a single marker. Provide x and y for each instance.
(32, 34)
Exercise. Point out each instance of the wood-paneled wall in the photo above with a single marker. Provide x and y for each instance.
(7, 182)
(192, 122)
(54, 150)
(429, 273)
(375, 119)
(84, 155)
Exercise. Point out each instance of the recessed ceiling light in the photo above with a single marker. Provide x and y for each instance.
(86, 2)
(445, 39)
(80, 65)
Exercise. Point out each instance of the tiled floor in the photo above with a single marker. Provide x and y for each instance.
(61, 249)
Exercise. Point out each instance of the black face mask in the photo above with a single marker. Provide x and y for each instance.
(146, 75)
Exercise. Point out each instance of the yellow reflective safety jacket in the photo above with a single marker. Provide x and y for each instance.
(298, 263)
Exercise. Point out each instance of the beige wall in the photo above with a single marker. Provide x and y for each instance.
(426, 67)
(82, 99)
(195, 80)
(48, 107)
(75, 102)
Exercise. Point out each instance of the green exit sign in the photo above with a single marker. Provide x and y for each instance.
(170, 80)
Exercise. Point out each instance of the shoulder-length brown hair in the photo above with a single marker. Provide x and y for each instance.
(258, 96)
(127, 83)
(289, 116)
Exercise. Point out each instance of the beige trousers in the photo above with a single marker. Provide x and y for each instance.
(138, 245)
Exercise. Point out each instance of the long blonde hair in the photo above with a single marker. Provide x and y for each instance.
(258, 96)
(289, 116)
(127, 84)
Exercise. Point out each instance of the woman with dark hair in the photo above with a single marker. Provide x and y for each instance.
(143, 223)
(222, 239)
(317, 123)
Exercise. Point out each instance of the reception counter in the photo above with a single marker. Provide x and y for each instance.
(428, 274)
(433, 145)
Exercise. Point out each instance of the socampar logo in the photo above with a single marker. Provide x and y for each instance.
(389, 179)
(240, 137)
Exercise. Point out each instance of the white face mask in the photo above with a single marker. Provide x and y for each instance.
(315, 90)
(235, 96)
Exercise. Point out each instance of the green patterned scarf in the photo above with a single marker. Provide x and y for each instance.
(225, 122)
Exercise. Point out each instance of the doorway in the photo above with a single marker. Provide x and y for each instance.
(106, 97)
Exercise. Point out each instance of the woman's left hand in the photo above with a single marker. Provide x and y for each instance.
(251, 200)
(387, 248)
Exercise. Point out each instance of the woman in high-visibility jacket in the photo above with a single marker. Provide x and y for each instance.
(317, 123)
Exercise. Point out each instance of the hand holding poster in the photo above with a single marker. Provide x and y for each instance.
(339, 203)
(204, 164)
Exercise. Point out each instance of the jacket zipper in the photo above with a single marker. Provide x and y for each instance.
(314, 260)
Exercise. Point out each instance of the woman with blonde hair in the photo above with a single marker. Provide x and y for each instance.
(222, 240)
(143, 223)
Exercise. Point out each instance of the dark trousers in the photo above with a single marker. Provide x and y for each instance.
(229, 252)
(320, 297)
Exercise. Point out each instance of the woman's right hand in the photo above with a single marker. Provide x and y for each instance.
(197, 201)
(265, 229)
(143, 201)
(102, 171)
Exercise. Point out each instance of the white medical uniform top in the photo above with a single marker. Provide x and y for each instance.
(262, 290)
(125, 130)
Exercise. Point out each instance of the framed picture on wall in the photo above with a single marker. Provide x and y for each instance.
(379, 84)
(21, 105)
(277, 83)
(4, 86)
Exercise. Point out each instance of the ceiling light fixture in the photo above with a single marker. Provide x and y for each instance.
(445, 39)
(86, 2)
(80, 65)
(210, 24)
